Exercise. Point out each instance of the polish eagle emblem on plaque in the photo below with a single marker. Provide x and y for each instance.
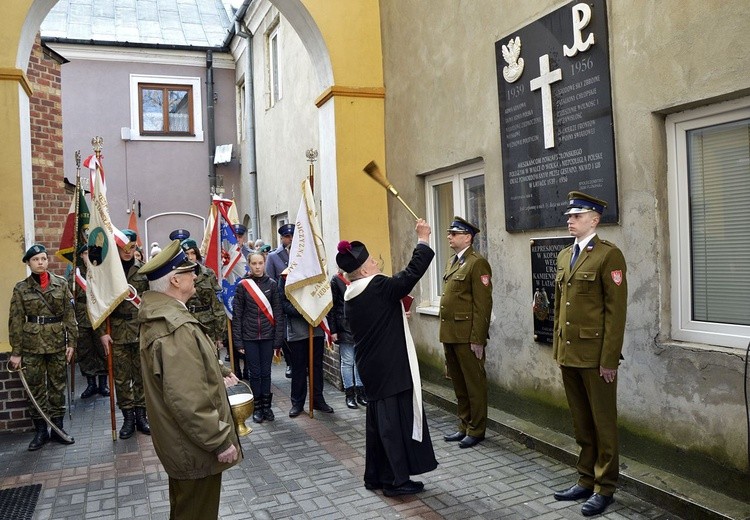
(511, 53)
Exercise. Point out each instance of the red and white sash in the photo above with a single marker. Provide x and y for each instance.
(260, 299)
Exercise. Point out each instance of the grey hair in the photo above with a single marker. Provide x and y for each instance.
(161, 284)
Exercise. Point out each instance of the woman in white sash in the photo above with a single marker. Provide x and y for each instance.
(258, 326)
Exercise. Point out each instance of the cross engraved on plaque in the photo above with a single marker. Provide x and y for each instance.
(543, 82)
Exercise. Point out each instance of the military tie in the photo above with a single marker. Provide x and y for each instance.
(576, 252)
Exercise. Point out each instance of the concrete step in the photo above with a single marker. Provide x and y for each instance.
(678, 495)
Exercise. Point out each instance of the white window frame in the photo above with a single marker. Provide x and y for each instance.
(242, 110)
(274, 65)
(456, 177)
(684, 328)
(135, 106)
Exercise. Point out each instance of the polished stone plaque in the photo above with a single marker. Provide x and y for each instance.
(544, 253)
(556, 115)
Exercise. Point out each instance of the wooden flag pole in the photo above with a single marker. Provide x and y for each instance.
(312, 156)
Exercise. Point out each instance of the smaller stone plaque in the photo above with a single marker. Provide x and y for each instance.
(544, 253)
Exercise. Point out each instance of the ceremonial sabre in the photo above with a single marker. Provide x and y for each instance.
(374, 172)
(64, 436)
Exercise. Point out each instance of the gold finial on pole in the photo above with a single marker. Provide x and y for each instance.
(312, 156)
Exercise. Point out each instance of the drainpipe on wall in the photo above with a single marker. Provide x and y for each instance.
(211, 130)
(252, 167)
(241, 31)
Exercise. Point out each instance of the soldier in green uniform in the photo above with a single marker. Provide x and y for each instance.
(465, 310)
(42, 332)
(591, 293)
(205, 303)
(89, 351)
(123, 343)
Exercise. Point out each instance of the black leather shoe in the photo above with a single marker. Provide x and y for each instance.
(407, 488)
(323, 407)
(372, 486)
(469, 441)
(574, 492)
(454, 437)
(596, 504)
(288, 372)
(295, 411)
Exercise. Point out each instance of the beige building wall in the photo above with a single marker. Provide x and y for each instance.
(442, 109)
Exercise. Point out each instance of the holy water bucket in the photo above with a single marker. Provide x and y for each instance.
(242, 404)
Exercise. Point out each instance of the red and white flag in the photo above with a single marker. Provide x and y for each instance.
(307, 284)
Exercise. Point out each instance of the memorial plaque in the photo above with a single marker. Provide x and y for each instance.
(544, 253)
(556, 115)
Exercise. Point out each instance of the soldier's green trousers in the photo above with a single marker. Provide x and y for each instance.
(45, 374)
(128, 378)
(90, 353)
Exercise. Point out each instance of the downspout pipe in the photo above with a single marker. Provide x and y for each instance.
(210, 122)
(252, 165)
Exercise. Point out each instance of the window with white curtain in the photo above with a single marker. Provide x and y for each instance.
(165, 108)
(457, 191)
(709, 174)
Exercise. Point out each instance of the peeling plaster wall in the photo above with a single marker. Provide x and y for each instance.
(442, 108)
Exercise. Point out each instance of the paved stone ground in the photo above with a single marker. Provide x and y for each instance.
(298, 468)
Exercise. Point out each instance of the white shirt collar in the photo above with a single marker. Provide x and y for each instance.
(583, 242)
(460, 254)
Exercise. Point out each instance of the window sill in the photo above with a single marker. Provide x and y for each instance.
(429, 310)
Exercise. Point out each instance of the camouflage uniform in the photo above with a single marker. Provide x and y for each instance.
(42, 345)
(125, 357)
(206, 306)
(89, 352)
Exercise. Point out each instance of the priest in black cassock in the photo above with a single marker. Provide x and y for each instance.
(397, 439)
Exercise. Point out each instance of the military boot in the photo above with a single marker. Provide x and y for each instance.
(141, 421)
(58, 421)
(267, 412)
(91, 388)
(128, 426)
(351, 401)
(361, 398)
(104, 386)
(41, 437)
(258, 410)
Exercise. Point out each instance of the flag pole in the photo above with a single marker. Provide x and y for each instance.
(97, 142)
(312, 156)
(76, 198)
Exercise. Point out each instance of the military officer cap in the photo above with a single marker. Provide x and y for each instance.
(265, 249)
(188, 244)
(172, 259)
(179, 234)
(82, 249)
(33, 251)
(132, 235)
(460, 225)
(351, 255)
(286, 229)
(579, 202)
(239, 229)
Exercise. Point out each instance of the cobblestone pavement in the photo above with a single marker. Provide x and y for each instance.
(298, 468)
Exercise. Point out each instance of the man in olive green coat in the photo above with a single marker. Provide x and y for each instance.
(465, 311)
(591, 294)
(193, 432)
